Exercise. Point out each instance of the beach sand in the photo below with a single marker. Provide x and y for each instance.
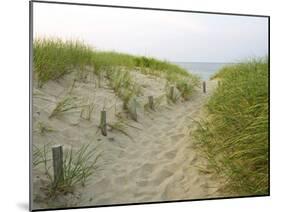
(159, 162)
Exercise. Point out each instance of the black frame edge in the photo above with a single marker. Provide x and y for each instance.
(268, 18)
(30, 102)
(149, 203)
(147, 8)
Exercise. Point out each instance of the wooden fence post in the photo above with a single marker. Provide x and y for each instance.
(204, 86)
(57, 153)
(151, 102)
(103, 123)
(172, 88)
(134, 110)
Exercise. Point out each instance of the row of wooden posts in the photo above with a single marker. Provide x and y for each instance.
(133, 109)
(204, 89)
(57, 151)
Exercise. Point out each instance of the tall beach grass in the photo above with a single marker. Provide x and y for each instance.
(78, 167)
(234, 135)
(53, 58)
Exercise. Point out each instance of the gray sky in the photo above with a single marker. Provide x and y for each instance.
(181, 37)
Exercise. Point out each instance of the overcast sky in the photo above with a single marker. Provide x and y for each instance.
(173, 36)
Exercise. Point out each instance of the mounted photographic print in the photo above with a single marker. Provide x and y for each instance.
(133, 105)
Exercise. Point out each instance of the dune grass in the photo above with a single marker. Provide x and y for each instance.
(87, 111)
(78, 167)
(234, 135)
(53, 58)
(121, 81)
(66, 104)
(44, 128)
(175, 75)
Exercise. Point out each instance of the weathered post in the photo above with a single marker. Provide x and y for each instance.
(84, 114)
(103, 123)
(151, 102)
(133, 110)
(204, 86)
(172, 88)
(57, 153)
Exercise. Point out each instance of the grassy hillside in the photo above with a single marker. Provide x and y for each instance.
(234, 135)
(53, 58)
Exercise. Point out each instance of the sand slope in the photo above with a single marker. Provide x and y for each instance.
(158, 164)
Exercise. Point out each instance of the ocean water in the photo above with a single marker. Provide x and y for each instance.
(204, 70)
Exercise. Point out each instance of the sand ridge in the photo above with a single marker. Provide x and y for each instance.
(160, 163)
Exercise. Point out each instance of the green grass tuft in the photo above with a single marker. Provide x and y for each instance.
(64, 105)
(44, 128)
(53, 58)
(78, 167)
(234, 136)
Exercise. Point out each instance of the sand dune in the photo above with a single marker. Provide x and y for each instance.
(160, 163)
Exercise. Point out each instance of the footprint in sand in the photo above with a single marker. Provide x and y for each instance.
(195, 181)
(172, 191)
(177, 137)
(205, 187)
(180, 117)
(182, 130)
(193, 160)
(103, 201)
(145, 170)
(122, 180)
(157, 134)
(161, 176)
(145, 193)
(102, 186)
(142, 183)
(155, 152)
(172, 166)
(171, 154)
(146, 198)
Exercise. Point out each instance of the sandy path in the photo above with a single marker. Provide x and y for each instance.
(161, 164)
